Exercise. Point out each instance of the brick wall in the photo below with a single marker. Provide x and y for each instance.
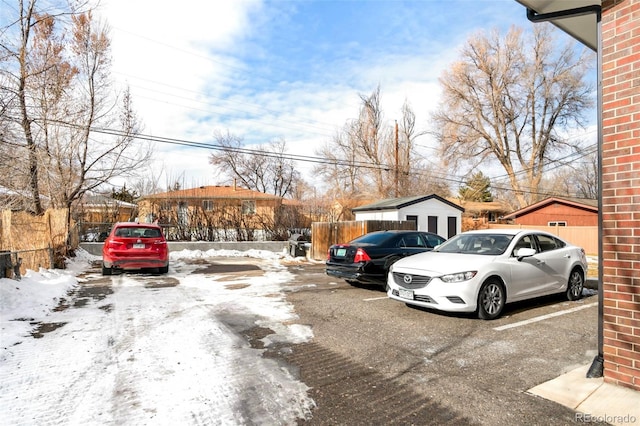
(621, 191)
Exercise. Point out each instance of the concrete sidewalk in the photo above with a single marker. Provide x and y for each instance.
(592, 399)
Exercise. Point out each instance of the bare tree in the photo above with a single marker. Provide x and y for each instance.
(586, 177)
(62, 111)
(414, 174)
(367, 158)
(372, 139)
(149, 183)
(578, 178)
(341, 169)
(359, 157)
(265, 168)
(507, 100)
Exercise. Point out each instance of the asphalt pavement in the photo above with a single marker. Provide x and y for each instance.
(372, 360)
(378, 361)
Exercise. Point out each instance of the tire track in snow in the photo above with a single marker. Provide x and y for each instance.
(44, 380)
(157, 353)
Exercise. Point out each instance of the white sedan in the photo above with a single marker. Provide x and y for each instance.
(481, 271)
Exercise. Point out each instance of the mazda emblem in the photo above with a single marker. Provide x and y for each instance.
(407, 279)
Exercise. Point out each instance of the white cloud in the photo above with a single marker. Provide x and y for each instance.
(197, 67)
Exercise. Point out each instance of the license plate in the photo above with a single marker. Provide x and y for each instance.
(405, 294)
(138, 246)
(341, 252)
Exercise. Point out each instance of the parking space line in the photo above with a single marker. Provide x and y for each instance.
(544, 317)
(375, 298)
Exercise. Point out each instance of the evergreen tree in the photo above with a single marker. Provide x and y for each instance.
(476, 188)
(124, 195)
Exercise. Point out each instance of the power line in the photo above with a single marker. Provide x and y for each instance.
(293, 157)
(297, 157)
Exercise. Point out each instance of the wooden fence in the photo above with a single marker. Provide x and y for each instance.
(582, 236)
(39, 241)
(324, 234)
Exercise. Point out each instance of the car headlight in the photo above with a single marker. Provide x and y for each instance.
(458, 277)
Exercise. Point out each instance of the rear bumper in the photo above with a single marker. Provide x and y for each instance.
(133, 263)
(356, 275)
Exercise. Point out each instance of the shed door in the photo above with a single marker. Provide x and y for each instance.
(432, 224)
(452, 226)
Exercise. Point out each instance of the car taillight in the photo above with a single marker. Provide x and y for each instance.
(113, 244)
(361, 256)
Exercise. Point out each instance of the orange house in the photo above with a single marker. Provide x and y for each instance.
(220, 213)
(181, 204)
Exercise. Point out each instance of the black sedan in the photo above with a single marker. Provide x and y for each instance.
(366, 259)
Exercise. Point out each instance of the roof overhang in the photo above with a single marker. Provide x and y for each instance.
(581, 23)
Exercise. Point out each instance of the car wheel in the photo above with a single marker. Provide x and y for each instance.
(575, 285)
(163, 269)
(105, 270)
(491, 300)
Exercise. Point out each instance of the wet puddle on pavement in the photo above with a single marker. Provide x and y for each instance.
(226, 268)
(255, 335)
(165, 282)
(100, 288)
(79, 297)
(45, 327)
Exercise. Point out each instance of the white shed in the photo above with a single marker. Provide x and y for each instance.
(431, 213)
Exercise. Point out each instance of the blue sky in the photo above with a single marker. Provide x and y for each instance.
(277, 69)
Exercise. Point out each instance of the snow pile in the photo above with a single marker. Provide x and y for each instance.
(30, 300)
(153, 349)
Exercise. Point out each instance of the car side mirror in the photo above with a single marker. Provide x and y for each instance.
(521, 253)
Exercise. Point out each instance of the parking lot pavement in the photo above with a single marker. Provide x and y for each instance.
(375, 360)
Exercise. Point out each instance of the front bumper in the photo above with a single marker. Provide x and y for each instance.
(449, 297)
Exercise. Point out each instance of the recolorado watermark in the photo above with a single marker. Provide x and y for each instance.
(605, 418)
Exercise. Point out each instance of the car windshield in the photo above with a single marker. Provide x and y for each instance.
(137, 232)
(488, 244)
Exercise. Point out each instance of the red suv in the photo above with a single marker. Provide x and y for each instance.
(135, 246)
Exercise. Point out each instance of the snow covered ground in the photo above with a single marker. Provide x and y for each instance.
(148, 353)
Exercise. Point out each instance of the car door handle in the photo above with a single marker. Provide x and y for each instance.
(541, 262)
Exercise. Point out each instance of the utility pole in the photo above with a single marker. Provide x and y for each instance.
(397, 162)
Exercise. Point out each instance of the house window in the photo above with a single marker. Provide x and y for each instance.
(207, 205)
(492, 216)
(165, 205)
(248, 207)
(558, 223)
